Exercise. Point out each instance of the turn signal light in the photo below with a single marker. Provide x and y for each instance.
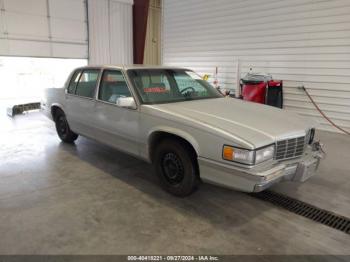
(228, 153)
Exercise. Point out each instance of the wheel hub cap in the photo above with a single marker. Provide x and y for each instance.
(62, 126)
(173, 168)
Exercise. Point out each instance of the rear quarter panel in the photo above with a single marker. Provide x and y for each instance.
(53, 97)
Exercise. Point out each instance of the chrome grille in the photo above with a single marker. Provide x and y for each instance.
(290, 148)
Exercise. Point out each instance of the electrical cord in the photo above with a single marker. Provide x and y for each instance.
(321, 112)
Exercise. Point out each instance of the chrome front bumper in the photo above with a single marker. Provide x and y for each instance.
(298, 172)
(260, 178)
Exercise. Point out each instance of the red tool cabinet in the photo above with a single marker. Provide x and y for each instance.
(262, 89)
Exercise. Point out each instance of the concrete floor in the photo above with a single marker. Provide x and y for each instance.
(90, 199)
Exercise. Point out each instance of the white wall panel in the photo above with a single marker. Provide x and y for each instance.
(2, 23)
(110, 31)
(98, 13)
(28, 48)
(303, 42)
(68, 30)
(34, 7)
(69, 9)
(36, 27)
(121, 45)
(32, 27)
(3, 45)
(68, 50)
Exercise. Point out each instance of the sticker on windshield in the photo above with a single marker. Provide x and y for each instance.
(155, 90)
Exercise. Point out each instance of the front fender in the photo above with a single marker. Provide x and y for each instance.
(178, 132)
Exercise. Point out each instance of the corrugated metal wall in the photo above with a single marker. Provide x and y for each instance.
(303, 42)
(43, 28)
(110, 31)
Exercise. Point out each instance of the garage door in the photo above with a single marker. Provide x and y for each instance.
(43, 28)
(303, 42)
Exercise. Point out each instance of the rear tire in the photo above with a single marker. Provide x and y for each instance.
(63, 130)
(176, 167)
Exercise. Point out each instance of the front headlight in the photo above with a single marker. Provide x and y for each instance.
(248, 157)
(264, 154)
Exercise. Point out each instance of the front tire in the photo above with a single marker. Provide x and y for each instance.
(176, 167)
(63, 130)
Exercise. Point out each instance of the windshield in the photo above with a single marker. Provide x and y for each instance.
(157, 86)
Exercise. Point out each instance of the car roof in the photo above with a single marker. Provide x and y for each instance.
(134, 66)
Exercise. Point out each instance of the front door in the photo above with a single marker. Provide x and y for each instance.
(117, 126)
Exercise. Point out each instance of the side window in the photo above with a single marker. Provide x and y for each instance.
(113, 86)
(87, 83)
(73, 82)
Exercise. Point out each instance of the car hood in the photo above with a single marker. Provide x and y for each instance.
(253, 123)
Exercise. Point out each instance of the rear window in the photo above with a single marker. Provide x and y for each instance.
(87, 83)
(73, 82)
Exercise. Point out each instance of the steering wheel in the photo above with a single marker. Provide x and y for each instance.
(187, 88)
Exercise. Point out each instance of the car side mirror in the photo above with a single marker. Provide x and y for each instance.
(126, 102)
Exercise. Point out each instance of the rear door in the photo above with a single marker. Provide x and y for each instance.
(80, 101)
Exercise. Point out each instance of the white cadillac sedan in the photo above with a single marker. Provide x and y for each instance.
(172, 118)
